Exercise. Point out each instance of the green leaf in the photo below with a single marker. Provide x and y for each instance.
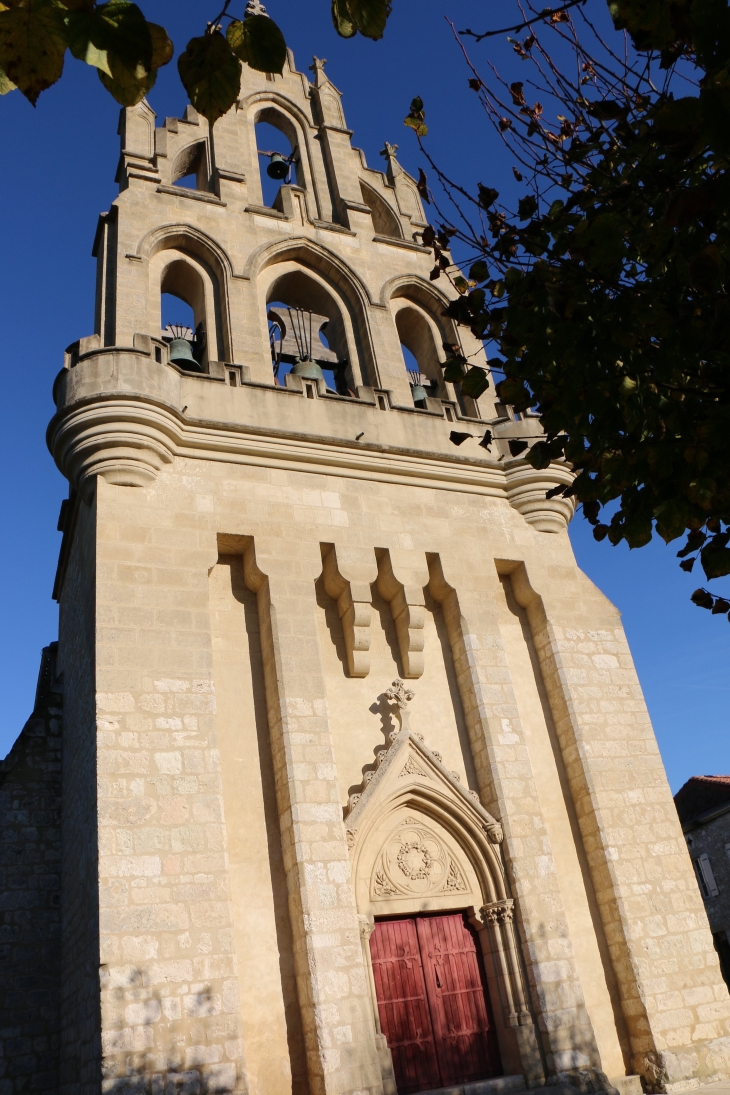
(516, 447)
(513, 391)
(702, 598)
(526, 207)
(6, 85)
(258, 42)
(487, 195)
(476, 382)
(479, 271)
(539, 456)
(211, 75)
(678, 125)
(343, 21)
(128, 86)
(671, 519)
(715, 561)
(605, 110)
(370, 16)
(162, 47)
(454, 367)
(33, 42)
(83, 28)
(416, 117)
(126, 49)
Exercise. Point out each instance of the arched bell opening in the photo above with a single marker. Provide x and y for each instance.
(191, 167)
(420, 352)
(427, 333)
(309, 330)
(184, 277)
(278, 149)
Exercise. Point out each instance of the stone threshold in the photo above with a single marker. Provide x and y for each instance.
(498, 1085)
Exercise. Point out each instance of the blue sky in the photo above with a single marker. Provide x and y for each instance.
(57, 173)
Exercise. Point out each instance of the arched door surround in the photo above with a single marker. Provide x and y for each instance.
(421, 843)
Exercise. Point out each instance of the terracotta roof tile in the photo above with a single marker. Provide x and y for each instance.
(700, 794)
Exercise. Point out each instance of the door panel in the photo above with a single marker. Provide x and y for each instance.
(402, 1006)
(433, 1006)
(463, 1031)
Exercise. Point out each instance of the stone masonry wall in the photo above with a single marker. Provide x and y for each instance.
(30, 852)
(80, 1057)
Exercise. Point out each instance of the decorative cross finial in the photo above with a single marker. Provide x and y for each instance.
(389, 151)
(318, 64)
(255, 7)
(399, 694)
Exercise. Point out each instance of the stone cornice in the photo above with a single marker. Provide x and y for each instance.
(128, 438)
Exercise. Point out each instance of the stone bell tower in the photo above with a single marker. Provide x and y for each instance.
(359, 790)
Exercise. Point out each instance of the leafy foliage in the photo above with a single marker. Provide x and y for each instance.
(211, 75)
(32, 45)
(258, 42)
(127, 50)
(606, 289)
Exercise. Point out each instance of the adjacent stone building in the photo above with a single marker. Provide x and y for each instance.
(359, 791)
(703, 805)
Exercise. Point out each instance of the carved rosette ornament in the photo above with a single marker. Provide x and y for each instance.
(415, 862)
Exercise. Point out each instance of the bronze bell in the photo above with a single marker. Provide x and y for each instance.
(181, 354)
(278, 167)
(308, 368)
(418, 390)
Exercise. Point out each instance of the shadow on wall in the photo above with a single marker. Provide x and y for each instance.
(152, 1060)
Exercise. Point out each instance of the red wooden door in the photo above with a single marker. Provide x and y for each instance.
(432, 1000)
(402, 1005)
(464, 1034)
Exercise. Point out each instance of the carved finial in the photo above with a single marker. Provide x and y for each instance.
(317, 67)
(389, 151)
(399, 693)
(255, 7)
(401, 696)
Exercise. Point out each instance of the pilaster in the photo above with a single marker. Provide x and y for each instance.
(675, 1001)
(331, 976)
(508, 790)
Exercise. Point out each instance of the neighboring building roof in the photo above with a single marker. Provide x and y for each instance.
(702, 795)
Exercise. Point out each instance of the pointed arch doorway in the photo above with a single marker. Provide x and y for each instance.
(433, 1001)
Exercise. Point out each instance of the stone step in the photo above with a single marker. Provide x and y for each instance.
(499, 1085)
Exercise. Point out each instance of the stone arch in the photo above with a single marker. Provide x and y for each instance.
(414, 821)
(328, 276)
(184, 257)
(192, 159)
(284, 115)
(385, 221)
(464, 843)
(418, 308)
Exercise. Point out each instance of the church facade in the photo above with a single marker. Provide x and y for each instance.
(358, 792)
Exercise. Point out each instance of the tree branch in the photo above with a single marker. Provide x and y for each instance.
(545, 14)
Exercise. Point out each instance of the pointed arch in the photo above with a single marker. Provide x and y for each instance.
(385, 221)
(281, 112)
(211, 265)
(341, 282)
(413, 820)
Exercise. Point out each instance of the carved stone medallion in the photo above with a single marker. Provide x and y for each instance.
(414, 861)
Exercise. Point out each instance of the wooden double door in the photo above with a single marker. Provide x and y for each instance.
(433, 1002)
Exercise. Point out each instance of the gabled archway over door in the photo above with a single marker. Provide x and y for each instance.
(433, 1002)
